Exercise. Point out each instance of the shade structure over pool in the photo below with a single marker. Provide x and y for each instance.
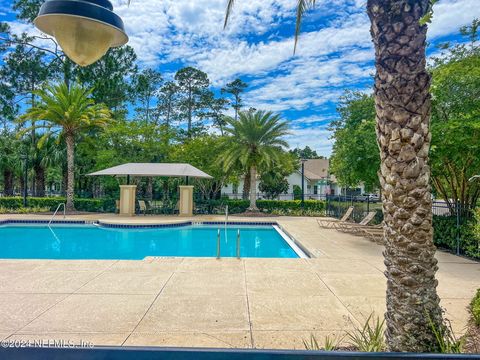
(154, 169)
(127, 192)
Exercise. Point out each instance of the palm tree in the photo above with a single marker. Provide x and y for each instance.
(403, 117)
(51, 154)
(9, 161)
(67, 111)
(255, 140)
(402, 101)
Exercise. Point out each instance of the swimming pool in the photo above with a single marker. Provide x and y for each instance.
(96, 242)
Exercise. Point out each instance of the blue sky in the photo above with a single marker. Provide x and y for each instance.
(334, 53)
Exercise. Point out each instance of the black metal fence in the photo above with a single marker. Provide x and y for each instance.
(452, 222)
(263, 196)
(307, 196)
(337, 206)
(151, 353)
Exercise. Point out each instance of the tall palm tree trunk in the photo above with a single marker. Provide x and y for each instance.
(40, 180)
(253, 188)
(246, 185)
(403, 117)
(69, 139)
(8, 182)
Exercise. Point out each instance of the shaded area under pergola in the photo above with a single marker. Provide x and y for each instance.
(127, 192)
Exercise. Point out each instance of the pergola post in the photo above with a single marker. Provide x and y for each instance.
(127, 200)
(185, 205)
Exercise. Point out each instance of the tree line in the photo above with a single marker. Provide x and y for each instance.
(124, 114)
(455, 128)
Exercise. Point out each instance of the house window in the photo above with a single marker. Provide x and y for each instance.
(235, 188)
(315, 189)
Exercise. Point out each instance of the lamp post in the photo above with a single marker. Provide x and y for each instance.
(24, 158)
(84, 29)
(303, 182)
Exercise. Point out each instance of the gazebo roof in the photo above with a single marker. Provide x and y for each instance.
(153, 169)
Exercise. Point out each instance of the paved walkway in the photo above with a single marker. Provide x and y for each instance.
(261, 303)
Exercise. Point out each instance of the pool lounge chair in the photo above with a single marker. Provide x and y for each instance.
(356, 227)
(331, 224)
(374, 233)
(143, 207)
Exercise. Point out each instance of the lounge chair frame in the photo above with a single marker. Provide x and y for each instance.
(331, 224)
(356, 227)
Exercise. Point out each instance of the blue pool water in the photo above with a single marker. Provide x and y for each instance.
(92, 242)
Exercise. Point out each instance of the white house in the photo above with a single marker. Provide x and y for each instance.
(318, 183)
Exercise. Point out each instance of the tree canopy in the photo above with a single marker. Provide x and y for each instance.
(455, 128)
(355, 157)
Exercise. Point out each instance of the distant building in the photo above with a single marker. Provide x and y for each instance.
(318, 183)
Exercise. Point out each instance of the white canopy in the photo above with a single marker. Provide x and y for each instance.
(153, 169)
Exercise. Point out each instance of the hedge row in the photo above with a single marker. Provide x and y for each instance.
(445, 235)
(108, 205)
(475, 308)
(267, 206)
(90, 205)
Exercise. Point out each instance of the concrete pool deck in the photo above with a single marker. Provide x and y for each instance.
(202, 302)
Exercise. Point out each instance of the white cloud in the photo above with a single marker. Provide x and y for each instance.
(334, 51)
(315, 138)
(450, 15)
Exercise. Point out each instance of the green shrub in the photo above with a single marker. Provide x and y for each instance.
(51, 203)
(312, 205)
(445, 235)
(274, 207)
(446, 341)
(474, 247)
(27, 210)
(475, 308)
(331, 343)
(297, 192)
(238, 206)
(369, 337)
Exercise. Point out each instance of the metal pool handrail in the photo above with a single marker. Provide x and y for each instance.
(226, 215)
(238, 244)
(218, 244)
(55, 213)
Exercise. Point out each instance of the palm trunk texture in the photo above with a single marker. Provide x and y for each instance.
(70, 171)
(402, 103)
(253, 187)
(39, 181)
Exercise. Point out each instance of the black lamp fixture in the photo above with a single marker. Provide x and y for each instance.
(84, 29)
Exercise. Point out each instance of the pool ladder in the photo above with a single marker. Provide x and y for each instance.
(56, 211)
(219, 242)
(226, 216)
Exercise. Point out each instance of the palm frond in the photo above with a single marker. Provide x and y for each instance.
(228, 12)
(255, 138)
(65, 109)
(302, 7)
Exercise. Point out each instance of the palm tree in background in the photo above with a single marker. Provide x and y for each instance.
(9, 161)
(402, 102)
(255, 140)
(66, 111)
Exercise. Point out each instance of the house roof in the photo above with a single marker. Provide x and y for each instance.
(316, 169)
(153, 169)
